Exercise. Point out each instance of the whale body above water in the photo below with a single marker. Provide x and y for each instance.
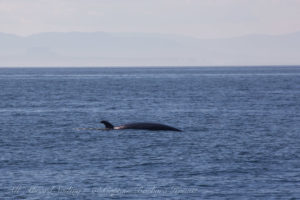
(140, 125)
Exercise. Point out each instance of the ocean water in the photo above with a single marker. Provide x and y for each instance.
(240, 139)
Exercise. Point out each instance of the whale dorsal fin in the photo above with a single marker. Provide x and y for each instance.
(107, 124)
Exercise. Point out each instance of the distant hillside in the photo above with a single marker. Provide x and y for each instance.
(134, 49)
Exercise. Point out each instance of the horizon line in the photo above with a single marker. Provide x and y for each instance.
(149, 66)
(153, 33)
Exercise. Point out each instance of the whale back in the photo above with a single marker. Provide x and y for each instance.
(140, 125)
(149, 126)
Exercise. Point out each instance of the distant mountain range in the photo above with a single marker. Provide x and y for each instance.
(137, 49)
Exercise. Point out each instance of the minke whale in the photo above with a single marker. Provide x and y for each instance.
(140, 125)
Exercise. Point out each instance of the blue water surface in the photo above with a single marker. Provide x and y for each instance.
(240, 139)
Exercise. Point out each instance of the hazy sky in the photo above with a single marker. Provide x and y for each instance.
(199, 18)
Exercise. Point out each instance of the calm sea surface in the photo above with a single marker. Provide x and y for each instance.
(241, 136)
